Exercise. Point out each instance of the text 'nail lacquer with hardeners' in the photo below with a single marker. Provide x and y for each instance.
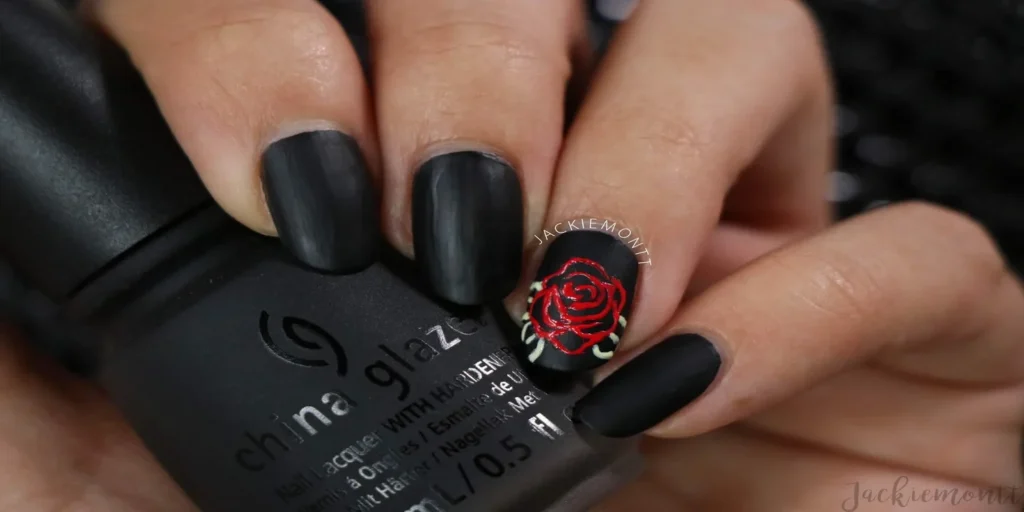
(258, 384)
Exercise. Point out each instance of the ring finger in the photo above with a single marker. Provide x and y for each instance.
(692, 119)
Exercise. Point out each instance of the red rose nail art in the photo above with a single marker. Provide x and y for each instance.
(574, 310)
(577, 308)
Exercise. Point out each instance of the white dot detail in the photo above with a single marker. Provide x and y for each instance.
(535, 355)
(601, 354)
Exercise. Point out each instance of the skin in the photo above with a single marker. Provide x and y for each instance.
(885, 349)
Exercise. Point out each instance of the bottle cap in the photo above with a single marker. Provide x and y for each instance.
(88, 167)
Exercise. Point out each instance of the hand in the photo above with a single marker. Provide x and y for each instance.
(697, 145)
(878, 366)
(704, 138)
(855, 380)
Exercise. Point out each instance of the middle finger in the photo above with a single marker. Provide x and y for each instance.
(470, 98)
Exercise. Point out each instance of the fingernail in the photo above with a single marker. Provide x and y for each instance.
(579, 302)
(651, 387)
(467, 210)
(322, 200)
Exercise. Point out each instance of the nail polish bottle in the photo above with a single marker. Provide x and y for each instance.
(259, 384)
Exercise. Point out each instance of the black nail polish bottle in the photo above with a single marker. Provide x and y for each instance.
(257, 383)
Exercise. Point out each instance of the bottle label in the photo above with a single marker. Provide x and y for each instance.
(283, 390)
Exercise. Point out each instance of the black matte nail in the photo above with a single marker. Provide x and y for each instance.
(322, 200)
(579, 302)
(651, 387)
(467, 210)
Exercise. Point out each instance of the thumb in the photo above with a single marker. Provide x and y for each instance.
(910, 278)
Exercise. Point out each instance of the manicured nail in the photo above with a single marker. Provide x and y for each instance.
(467, 210)
(322, 200)
(651, 387)
(578, 304)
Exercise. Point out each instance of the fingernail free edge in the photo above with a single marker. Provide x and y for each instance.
(652, 387)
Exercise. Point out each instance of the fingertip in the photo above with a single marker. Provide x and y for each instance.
(652, 387)
(237, 188)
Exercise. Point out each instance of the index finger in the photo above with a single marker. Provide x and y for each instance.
(268, 100)
(923, 287)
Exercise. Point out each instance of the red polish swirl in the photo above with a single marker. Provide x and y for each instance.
(580, 299)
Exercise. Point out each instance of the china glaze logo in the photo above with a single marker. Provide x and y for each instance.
(393, 370)
(306, 335)
(260, 449)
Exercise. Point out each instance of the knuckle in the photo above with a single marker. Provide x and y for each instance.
(671, 137)
(280, 33)
(235, 62)
(483, 43)
(665, 144)
(831, 283)
(844, 285)
(669, 133)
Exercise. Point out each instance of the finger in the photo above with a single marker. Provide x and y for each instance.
(778, 474)
(48, 418)
(268, 99)
(669, 124)
(470, 98)
(909, 278)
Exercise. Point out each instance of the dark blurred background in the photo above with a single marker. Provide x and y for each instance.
(931, 106)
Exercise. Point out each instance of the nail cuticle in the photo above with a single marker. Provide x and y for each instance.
(290, 129)
(449, 147)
